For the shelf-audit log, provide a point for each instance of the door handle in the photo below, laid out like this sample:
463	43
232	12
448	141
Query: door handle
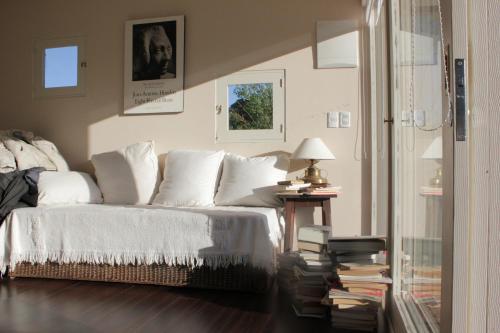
460	102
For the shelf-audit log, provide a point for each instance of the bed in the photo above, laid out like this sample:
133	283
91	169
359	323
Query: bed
229	248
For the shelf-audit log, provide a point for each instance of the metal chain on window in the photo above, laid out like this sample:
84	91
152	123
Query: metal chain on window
447	120
411	96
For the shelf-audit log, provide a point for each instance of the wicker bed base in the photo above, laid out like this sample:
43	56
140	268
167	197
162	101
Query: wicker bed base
239	277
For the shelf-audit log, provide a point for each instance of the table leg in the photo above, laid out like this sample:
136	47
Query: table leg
326	210
289	224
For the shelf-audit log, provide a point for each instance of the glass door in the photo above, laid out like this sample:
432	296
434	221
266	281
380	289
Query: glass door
421	109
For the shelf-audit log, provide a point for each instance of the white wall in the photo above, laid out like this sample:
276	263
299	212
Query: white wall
221	37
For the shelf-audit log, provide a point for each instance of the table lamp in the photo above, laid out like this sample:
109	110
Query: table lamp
435	152
314	150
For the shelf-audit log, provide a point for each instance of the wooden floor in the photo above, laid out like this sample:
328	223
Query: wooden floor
35	305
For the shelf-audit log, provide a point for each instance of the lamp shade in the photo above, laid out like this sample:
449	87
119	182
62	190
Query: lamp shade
435	150
312	149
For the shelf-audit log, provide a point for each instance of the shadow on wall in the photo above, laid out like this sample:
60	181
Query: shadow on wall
221	37
294	165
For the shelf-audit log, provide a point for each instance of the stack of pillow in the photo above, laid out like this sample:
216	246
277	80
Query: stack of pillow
191	179
21	150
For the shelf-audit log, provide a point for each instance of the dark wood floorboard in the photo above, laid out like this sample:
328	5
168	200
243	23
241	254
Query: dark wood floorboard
38	305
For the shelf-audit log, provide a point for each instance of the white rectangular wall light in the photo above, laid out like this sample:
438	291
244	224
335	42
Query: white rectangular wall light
337	44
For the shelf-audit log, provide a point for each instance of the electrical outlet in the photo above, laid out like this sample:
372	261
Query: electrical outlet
332	119
345	119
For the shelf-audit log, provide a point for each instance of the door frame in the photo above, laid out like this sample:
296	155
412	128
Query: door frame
449	194
476	291
460	249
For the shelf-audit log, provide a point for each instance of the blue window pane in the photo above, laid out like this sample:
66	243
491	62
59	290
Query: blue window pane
61	67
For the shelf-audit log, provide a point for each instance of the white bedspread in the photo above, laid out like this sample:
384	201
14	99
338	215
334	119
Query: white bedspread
113	234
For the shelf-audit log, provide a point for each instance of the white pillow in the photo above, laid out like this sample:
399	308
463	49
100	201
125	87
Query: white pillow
67	187
7	160
251	181
27	156
51	151
190	178
128	175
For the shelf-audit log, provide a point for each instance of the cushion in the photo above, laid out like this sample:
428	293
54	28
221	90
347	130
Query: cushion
51	151
7	160
190	178
27	156
67	187
251	181
128	175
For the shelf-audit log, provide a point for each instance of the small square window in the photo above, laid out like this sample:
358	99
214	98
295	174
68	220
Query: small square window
59	67
250	106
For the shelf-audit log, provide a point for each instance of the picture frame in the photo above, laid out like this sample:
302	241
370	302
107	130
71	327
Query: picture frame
154	66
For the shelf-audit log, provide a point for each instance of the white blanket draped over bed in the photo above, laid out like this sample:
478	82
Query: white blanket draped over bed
113	234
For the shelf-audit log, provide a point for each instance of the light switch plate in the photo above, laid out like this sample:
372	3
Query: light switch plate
406	118
345	119
332	120
410	118
419	118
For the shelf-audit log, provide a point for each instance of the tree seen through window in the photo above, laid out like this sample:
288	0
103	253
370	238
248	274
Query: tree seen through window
250	106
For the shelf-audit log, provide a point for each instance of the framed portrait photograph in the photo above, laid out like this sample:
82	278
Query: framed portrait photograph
154	65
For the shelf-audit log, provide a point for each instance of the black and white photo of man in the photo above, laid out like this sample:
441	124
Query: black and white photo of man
154	51
154	65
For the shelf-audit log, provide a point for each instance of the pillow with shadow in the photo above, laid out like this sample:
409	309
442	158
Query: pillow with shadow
251	181
129	175
67	187
190	178
51	151
27	156
7	160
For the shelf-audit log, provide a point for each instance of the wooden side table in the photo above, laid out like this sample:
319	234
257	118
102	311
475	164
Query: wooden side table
292	201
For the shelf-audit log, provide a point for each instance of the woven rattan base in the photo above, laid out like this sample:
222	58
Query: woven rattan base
239	277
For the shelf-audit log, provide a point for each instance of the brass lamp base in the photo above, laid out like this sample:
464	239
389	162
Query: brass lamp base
313	174
438	180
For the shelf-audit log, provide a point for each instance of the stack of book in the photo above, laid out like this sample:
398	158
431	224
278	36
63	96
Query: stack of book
323	190
358	296
302	273
431	191
292	186
287	281
424	283
313	239
313	268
